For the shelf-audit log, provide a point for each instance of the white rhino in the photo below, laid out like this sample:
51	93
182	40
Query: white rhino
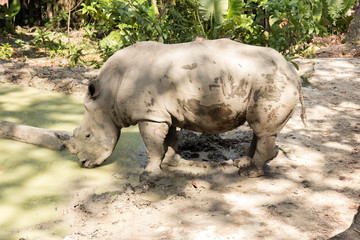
210	86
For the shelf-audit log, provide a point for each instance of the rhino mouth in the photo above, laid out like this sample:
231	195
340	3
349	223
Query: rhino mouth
84	163
88	163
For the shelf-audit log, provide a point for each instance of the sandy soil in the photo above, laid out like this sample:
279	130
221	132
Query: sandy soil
311	190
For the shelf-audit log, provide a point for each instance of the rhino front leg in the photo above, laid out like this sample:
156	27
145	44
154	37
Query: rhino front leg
153	134
263	149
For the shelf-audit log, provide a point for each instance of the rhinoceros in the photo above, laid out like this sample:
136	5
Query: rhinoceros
209	86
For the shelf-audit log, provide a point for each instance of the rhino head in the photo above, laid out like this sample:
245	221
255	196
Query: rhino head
96	137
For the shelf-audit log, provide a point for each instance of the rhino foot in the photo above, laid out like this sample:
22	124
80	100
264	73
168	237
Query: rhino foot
172	161
246	169
251	172
151	176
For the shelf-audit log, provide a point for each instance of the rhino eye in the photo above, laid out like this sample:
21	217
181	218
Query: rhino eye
88	135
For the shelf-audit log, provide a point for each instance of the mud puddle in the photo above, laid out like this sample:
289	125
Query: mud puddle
37	183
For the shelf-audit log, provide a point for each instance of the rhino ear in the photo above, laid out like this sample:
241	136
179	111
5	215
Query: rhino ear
93	90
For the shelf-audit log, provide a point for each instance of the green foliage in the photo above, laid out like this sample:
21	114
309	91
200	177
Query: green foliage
59	20
213	10
20	43
338	8
112	41
333	17
183	21
11	12
89	30
235	19
43	40
286	25
6	51
110	44
292	22
76	58
244	22
124	24
8	14
236	8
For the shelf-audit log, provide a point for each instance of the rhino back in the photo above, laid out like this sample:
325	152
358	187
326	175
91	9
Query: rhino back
203	86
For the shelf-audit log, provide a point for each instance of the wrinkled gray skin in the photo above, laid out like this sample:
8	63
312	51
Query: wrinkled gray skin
209	86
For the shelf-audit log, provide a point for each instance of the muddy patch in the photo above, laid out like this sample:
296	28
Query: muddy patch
213	147
58	79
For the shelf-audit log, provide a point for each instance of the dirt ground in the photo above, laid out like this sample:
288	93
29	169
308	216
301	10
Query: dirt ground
311	190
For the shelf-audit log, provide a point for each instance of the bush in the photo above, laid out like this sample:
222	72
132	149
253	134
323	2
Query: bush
123	24
6	51
292	23
286	25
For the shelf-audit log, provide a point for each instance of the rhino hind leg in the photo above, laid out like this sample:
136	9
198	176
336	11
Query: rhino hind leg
250	151
266	124
261	150
171	145
265	151
243	163
153	135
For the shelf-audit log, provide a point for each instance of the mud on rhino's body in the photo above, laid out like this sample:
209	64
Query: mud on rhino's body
210	86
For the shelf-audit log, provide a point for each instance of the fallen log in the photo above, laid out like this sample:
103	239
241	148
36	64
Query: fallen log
33	135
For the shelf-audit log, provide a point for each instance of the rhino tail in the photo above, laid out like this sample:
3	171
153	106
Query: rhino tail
301	98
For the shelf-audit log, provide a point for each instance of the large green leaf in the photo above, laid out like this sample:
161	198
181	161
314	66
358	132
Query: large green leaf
274	23
317	10
112	41
334	7
9	13
213	9
235	8
338	8
347	4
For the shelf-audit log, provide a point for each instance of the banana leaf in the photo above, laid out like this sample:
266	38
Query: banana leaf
9	13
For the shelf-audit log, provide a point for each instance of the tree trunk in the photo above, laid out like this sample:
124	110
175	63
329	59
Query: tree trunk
49	11
37	136
353	34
